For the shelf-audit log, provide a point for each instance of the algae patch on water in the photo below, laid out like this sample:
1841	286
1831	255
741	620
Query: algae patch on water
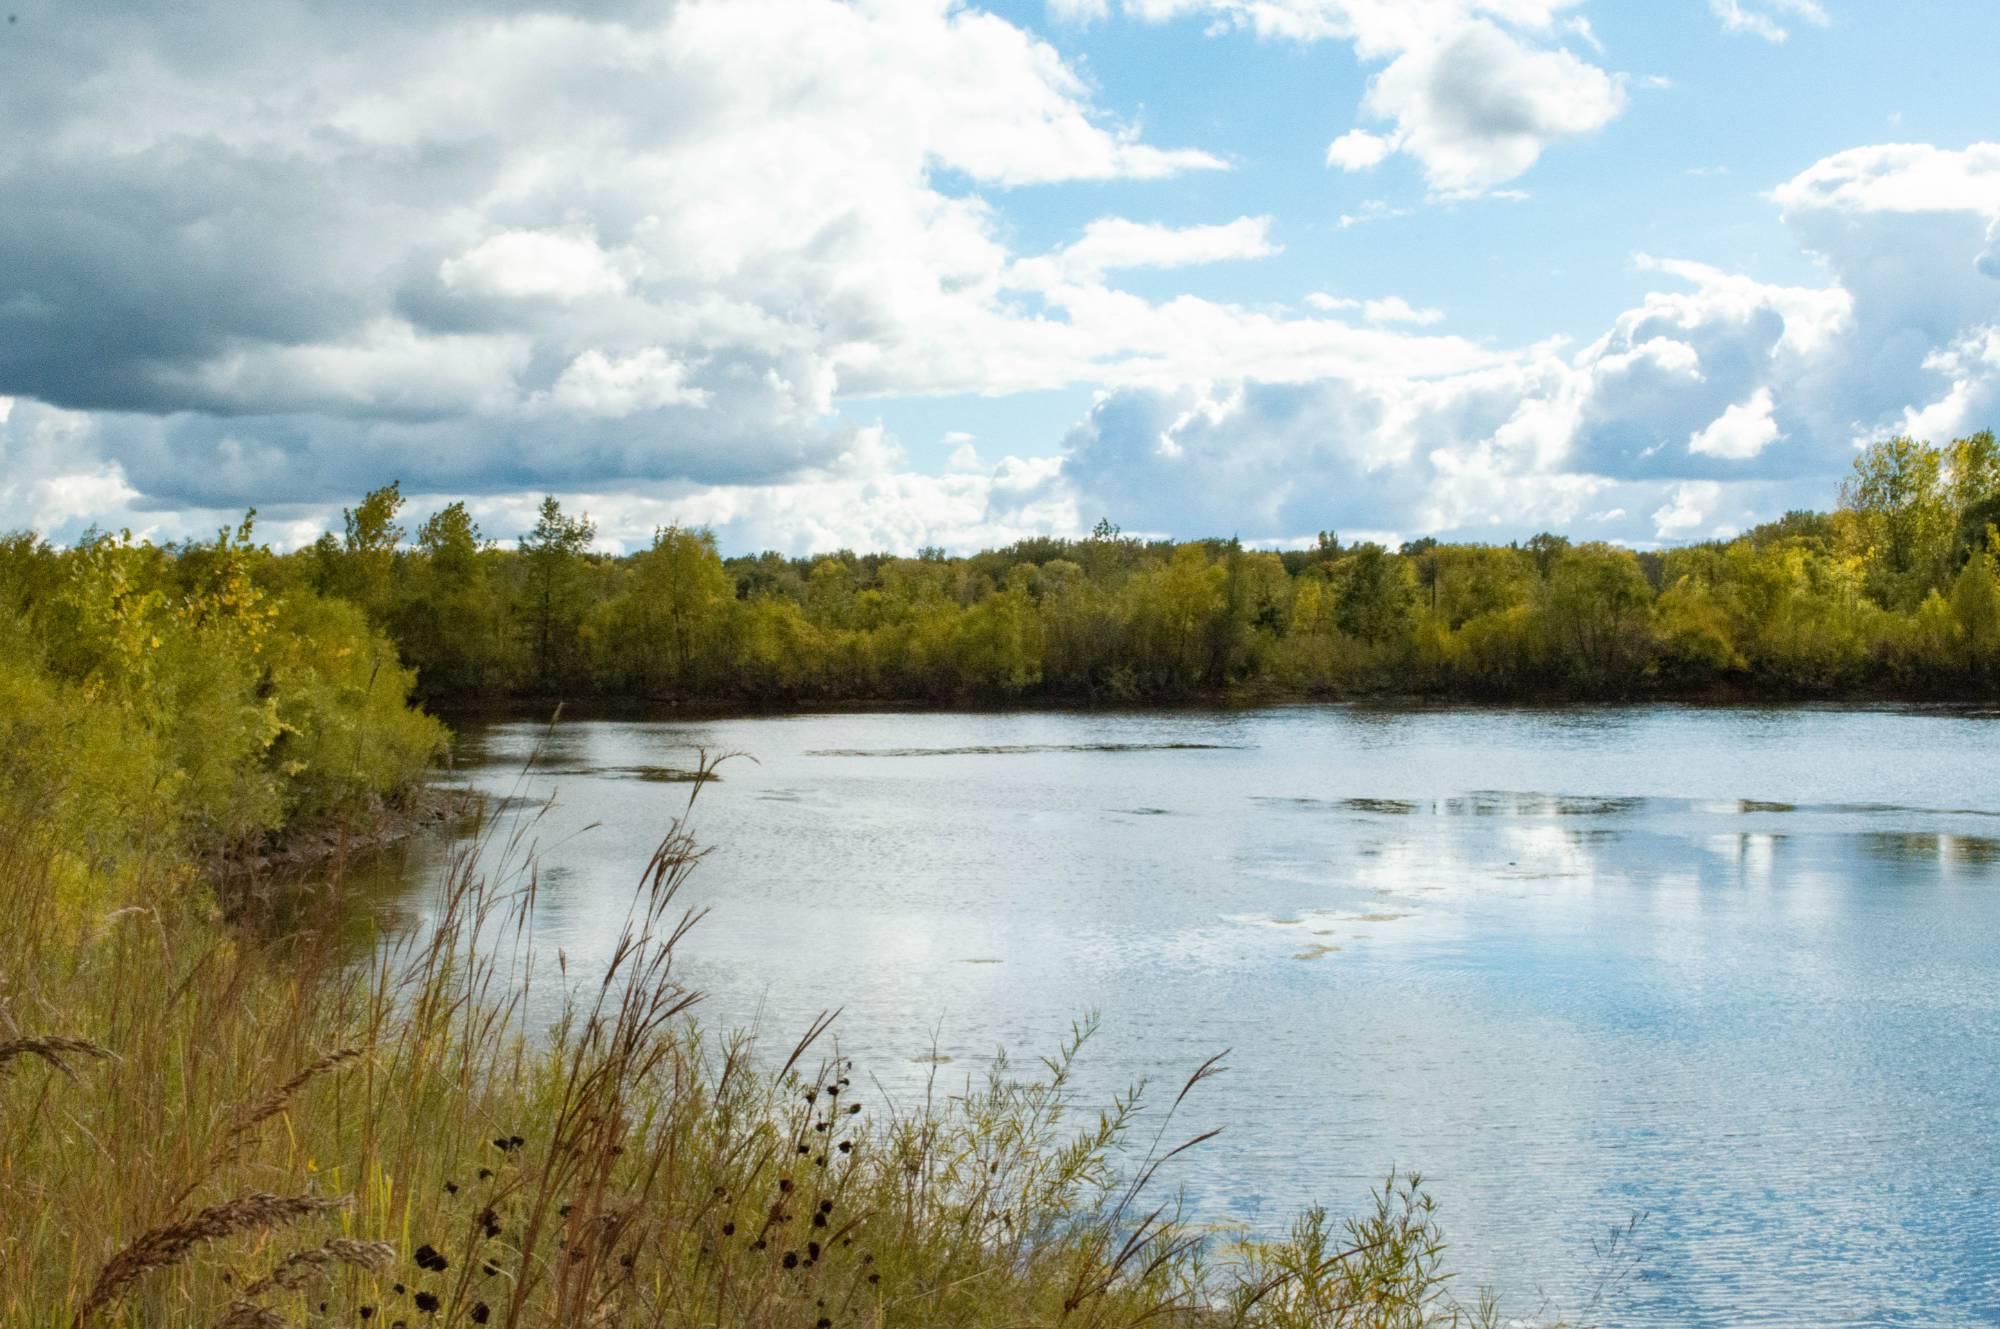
669	775
650	774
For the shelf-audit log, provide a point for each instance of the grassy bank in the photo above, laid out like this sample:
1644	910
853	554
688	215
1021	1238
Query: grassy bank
205	1125
214	1114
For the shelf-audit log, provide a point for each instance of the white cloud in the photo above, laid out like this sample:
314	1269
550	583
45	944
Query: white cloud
653	243
1810	316
1899	177
863	501
531	264
1358	150
1686	508
1372	210
1760	18
1113	243
1388	309
612	385
52	479
1478	105
1395	309
1217	417
1716	396
1741	432
1220	417
1476	89
1971	401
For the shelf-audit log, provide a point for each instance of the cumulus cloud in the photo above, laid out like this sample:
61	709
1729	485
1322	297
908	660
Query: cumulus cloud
531	264
1898	177
289	252
1740	432
1687	506
606	385
1714	397
1474	90
1358	150
1478	105
51	479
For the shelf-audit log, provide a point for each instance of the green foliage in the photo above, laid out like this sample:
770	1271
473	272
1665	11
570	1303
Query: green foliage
1975	608
449	620
169	701
1811	604
1595	607
1374	594
1381	1270
667	631
1903	519
553	554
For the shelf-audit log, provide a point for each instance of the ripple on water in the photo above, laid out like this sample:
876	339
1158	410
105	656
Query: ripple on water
1735	969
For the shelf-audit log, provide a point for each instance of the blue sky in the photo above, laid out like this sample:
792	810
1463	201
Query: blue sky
906	272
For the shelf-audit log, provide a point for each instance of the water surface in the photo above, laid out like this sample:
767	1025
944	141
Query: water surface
1735	969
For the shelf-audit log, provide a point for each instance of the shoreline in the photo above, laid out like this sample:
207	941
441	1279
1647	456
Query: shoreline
295	850
550	707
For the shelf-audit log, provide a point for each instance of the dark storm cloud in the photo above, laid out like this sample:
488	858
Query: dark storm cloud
219	229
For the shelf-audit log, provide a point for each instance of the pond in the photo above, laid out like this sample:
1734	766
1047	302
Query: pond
1733	969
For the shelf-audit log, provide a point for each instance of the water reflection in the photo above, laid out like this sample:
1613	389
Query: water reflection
1572	964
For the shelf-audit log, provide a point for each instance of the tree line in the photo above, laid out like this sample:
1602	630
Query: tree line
1894	592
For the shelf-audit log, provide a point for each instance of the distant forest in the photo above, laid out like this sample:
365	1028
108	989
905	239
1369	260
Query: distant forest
1894	593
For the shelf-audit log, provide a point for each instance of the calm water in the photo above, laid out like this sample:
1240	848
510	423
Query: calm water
1735	969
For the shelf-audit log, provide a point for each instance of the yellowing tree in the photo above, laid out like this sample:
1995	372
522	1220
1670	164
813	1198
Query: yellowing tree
1904	518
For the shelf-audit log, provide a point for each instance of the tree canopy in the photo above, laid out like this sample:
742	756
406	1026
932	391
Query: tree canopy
1892	593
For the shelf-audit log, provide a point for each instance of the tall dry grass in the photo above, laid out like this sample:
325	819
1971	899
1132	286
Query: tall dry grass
202	1123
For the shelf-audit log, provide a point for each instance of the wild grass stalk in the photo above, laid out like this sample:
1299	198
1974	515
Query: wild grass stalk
437	1160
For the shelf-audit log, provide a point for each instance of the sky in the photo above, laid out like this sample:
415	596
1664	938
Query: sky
897	273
